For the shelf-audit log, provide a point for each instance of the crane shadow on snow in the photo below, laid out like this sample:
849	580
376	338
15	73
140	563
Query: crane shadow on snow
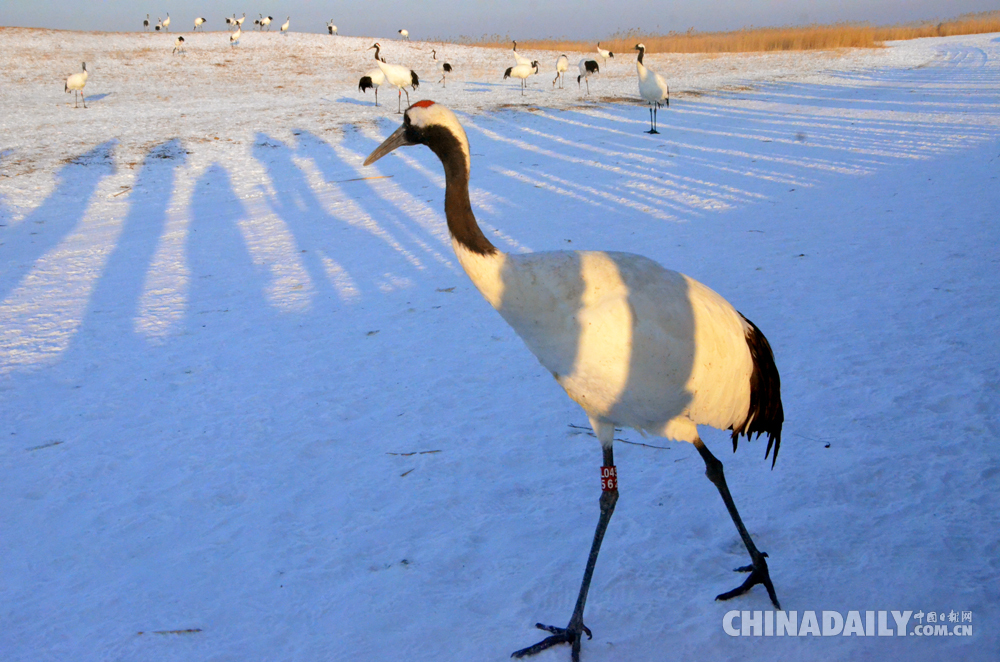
120	288
370	193
328	230
97	98
46	226
353	102
224	278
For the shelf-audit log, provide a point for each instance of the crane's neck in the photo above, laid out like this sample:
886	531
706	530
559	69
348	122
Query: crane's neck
642	51
377	49
479	258
453	150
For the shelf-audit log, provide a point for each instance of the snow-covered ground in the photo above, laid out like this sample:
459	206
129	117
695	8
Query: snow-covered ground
252	409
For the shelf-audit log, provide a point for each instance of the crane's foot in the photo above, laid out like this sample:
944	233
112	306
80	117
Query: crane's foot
758	575
652	131
567	635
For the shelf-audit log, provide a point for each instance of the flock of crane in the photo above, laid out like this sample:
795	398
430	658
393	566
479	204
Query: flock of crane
261	22
652	87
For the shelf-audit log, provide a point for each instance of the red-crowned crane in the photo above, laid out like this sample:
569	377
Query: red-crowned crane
75	82
586	68
443	67
397	75
178	45
200	23
562	66
145	23
404	34
631	342
521	71
652	88
603	53
372	79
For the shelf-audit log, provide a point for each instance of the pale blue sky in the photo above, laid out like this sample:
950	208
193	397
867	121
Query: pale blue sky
524	19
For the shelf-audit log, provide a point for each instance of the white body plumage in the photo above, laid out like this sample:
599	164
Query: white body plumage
652	87
631	342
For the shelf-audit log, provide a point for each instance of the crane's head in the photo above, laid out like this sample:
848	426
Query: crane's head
640	47
431	124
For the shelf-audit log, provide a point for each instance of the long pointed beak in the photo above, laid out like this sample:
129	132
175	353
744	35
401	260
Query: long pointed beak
397	139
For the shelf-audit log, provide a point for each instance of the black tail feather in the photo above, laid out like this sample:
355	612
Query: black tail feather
765	414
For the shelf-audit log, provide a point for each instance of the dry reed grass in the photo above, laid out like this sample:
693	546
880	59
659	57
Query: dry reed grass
750	40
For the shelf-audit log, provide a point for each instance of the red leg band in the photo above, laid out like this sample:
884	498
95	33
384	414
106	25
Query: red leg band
609	478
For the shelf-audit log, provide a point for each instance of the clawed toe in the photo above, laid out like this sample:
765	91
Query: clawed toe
565	635
758	575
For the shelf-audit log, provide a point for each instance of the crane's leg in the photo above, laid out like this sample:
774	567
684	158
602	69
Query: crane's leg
573	632
758	567
399	105
83	98
588	87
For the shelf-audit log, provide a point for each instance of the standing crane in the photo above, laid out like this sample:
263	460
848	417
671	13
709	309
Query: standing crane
603	53
397	75
562	66
521	71
75	83
586	68
652	88
443	67
634	344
